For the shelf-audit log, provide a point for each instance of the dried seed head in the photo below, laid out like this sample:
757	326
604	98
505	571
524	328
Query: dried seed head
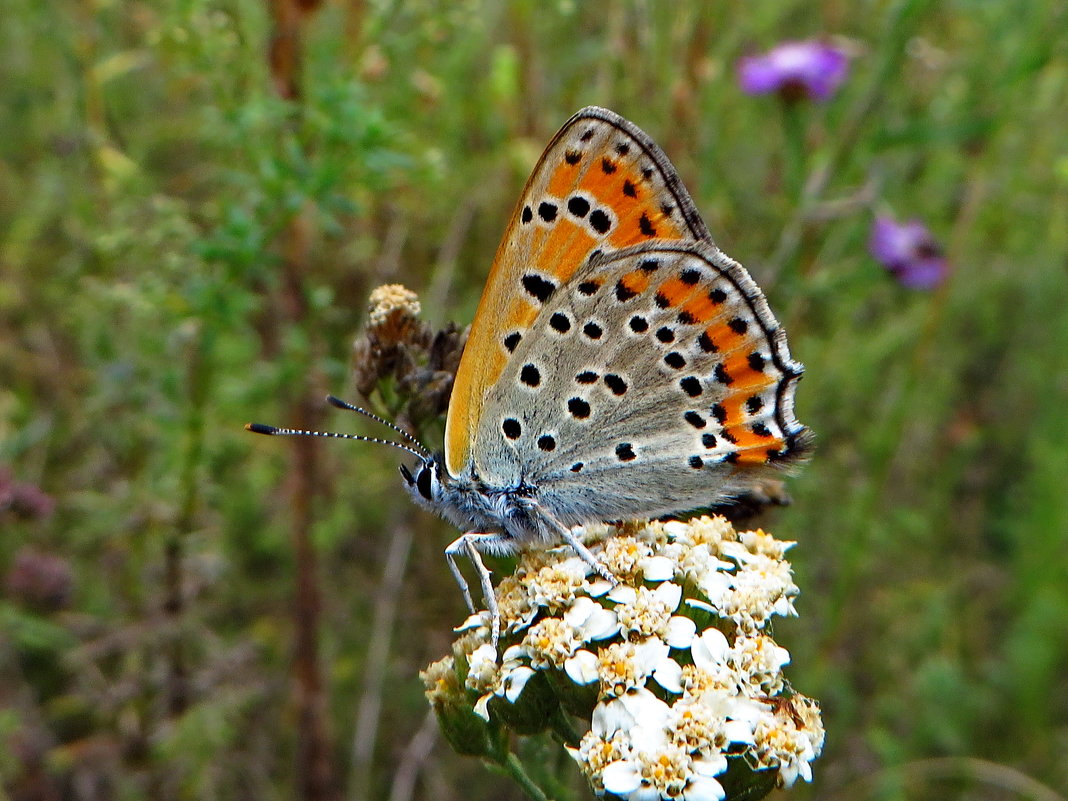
393	312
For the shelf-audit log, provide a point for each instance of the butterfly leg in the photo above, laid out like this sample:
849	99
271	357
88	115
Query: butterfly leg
578	547
467	544
451	552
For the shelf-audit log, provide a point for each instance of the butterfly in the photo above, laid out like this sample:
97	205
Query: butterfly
619	365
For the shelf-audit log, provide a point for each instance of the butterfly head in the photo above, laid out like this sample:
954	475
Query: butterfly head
465	501
424	480
470	504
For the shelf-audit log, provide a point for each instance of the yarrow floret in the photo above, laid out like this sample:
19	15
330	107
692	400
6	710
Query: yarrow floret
674	666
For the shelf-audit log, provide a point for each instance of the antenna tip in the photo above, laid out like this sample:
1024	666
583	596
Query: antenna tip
337	402
260	428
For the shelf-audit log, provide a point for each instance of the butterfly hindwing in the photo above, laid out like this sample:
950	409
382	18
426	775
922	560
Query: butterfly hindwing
601	184
656	380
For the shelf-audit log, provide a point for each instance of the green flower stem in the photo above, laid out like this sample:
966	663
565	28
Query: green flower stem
794	129
794	182
564	729
515	769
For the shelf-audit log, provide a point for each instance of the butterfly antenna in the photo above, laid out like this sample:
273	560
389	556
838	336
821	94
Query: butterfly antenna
274	431
340	404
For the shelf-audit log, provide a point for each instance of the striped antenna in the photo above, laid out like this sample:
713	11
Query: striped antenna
340	404
274	431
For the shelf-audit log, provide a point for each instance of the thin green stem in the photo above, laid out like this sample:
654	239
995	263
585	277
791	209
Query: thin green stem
563	728
515	769
794	168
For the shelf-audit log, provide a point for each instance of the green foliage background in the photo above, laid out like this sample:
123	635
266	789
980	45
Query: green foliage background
149	173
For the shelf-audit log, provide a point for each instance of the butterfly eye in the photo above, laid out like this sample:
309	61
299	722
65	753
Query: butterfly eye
424	480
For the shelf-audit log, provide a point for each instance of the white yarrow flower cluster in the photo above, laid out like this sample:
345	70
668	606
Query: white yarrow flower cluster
674	665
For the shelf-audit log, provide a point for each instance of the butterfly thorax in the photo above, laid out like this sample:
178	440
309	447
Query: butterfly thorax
470	504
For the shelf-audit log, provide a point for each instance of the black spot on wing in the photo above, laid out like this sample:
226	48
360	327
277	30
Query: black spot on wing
578	206
600	221
537	287
615	383
579	408
530	375
560	323
588	288
638	324
547	211
691	386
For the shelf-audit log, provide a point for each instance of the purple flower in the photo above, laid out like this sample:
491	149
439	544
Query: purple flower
795	70
23	498
40	580
909	251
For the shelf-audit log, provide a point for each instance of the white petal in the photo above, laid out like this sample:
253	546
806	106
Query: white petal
598	587
748	710
610	717
784	607
621	777
658	568
670	594
575	565
514	652
715	584
602	624
582	667
710	764
787	774
668	674
482	654
472	622
521	622
709	649
482	706
579	611
649	653
515	681
703	788
590	620
739	731
782	656
675	528
649	716
700	605
739	553
622	594
680	632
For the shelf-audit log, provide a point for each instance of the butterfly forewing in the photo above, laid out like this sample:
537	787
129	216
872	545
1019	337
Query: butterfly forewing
656	380
601	185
